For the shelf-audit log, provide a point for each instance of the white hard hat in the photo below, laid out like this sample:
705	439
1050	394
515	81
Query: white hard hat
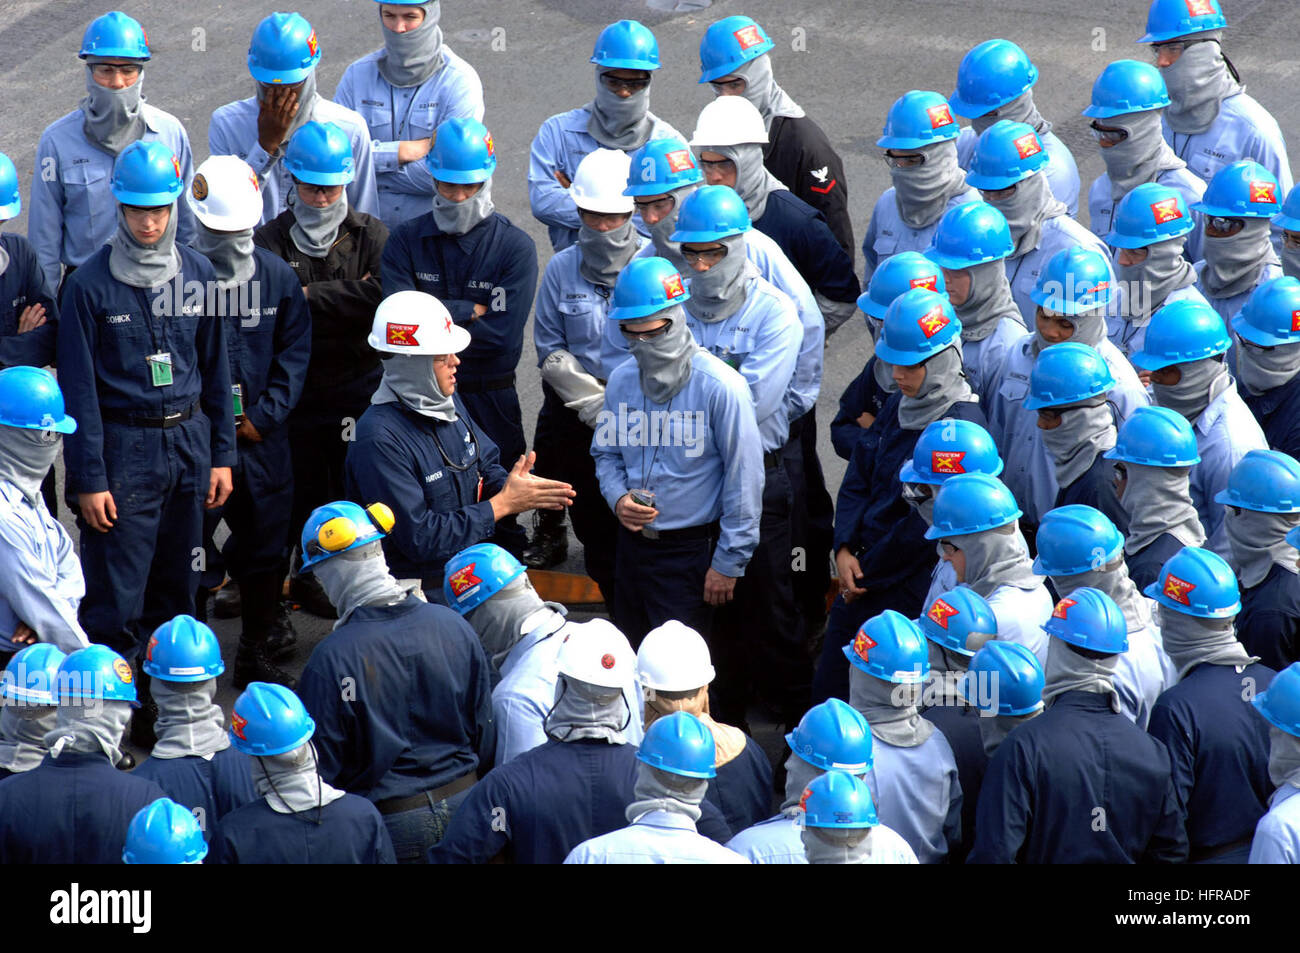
729	121
599	182
412	322
597	653
225	195
674	657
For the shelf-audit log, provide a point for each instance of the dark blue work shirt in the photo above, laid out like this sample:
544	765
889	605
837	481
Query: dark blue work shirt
21	285
1278	413
1144	566
742	791
1096	488
862	396
960	724
350	832
216	786
1269	622
809	243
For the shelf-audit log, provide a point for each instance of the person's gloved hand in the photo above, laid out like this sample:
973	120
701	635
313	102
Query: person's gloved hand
587	408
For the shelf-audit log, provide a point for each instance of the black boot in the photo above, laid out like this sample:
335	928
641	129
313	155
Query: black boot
550	543
307	592
282	644
225	603
260	598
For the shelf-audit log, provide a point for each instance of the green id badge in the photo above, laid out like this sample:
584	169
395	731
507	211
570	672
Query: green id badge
160	368
237	393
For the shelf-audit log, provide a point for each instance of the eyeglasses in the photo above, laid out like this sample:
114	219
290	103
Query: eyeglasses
1229	226
308	189
109	70
998	195
948	548
1252	346
660	206
1174	48
597	219
717	163
649	335
1121	471
709	256
728	87
617	84
444	359
1053	414
1105	134
911	161
1291	239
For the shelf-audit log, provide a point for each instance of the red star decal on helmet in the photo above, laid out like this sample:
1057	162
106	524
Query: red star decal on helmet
1062	609
237	725
1027	145
1200	8
679	160
862	644
1166	210
491	144
1263	192
925	281
148	653
401	335
1177	589
1295	320
939	116
607	661
673	286
463	580
933	322
748	36
312	44
941	612
947	461
803	799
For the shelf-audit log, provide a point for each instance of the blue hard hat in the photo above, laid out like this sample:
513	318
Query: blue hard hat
949	447
1280	702
97	672
680	744
645	287
896	275
1013	675
146	174
1127	86
917	119
1076	538
709	214
728	45
1244	189
1289	217
1197	582
990	76
337	527
476	574
11	197
1267	481
918	325
1150	213
970	234
284	49
1076	280
320	153
1271	315
1006	153
463	152
183	650
833	736
661	166
269	719
1089	619
1064	374
956	615
626	44
972	503
164	832
30	398
1169	19
838	799
1182	331
890	647
115	35
1156	437
32	675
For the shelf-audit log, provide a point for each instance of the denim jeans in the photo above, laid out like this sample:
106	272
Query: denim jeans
414	832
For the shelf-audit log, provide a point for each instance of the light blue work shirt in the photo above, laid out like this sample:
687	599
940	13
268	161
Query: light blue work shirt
1228	307
1021	614
72	211
1101	207
233	131
397	113
1128	337
982	360
40	575
918	795
1277	835
1225	432
777	840
560	144
1059	232
1062	170
703	460
1243	130
1140	673
887	234
656	837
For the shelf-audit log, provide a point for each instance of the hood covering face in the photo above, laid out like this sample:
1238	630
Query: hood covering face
657	790
1020	109
1197	81
190	722
660	231
139	265
721	291
358	577
994	730
1233	264
586	711
922	192
1112	579
1069	671
26	457
1031	204
95	728
1085	431
231	254
605	254
753	181
409	380
1158	501
457	218
997	557
618	123
761	90
1261	369
22	735
798	775
1258	543
920	497
1283	758
665	362
1201	382
891	710
989	301
1141	157
1089	329
1290	262
411	58
306	104
1160	274
945	384
882	371
315	230
113	118
728	742
290	782
500	621
1190	641
835	845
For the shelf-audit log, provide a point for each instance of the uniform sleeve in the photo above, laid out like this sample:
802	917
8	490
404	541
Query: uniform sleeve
214	365
288	369
347	301
481	713
514	291
186	225
735	431
519	726
611	469
856	492
549	200
78	337
1166	728
826	191
826	266
473	836
845	428
398	263
362	192
34	348
870	260
1002	817
1168	844
1274	842
769	368
45	213
336	722
33	594
548	323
